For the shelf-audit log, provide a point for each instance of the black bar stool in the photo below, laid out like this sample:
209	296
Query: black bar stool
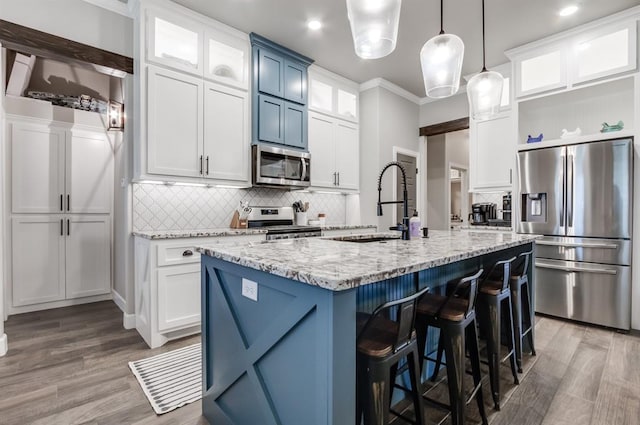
523	320
494	294
381	343
455	316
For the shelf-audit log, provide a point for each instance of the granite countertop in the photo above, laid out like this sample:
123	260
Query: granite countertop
338	265
176	234
348	226
480	227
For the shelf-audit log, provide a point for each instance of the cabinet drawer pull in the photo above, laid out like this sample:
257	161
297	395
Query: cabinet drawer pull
187	253
68	227
61	203
68	202
61	226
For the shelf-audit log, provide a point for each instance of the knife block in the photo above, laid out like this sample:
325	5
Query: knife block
237	223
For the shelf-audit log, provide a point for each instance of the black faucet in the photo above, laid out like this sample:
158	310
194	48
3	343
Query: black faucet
404	226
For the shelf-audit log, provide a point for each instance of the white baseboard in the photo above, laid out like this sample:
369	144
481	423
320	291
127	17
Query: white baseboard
4	346
129	321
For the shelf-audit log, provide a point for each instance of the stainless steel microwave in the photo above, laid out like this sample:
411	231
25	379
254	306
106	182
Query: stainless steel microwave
278	167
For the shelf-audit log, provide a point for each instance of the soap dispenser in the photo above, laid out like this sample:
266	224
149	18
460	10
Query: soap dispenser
414	226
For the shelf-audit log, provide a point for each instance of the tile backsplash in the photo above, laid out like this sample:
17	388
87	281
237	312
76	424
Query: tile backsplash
176	207
492	197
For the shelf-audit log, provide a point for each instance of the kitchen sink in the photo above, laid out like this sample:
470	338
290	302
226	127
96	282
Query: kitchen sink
366	238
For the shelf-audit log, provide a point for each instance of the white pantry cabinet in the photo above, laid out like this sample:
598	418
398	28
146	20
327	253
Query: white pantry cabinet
55	170
60	257
335	148
491	154
167	285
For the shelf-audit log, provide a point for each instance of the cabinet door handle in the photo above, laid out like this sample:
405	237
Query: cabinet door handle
207	165
338	178
61	227
68	227
200	164
68	202
187	253
510	175
335	179
61	203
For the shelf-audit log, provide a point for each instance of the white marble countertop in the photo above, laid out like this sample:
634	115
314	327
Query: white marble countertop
348	226
338	265
480	227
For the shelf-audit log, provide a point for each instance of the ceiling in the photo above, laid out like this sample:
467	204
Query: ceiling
509	23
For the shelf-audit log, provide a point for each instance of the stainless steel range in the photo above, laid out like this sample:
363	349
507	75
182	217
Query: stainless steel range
279	223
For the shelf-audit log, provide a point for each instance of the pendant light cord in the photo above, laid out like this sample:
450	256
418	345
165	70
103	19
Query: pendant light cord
484	53
441	17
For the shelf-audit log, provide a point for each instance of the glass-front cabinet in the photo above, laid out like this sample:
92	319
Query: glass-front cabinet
331	94
174	41
609	51
541	71
226	59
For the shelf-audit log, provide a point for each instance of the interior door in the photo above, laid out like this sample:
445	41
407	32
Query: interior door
542	174
409	164
599	192
89	173
88	255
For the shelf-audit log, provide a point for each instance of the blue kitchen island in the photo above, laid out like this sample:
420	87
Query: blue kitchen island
279	317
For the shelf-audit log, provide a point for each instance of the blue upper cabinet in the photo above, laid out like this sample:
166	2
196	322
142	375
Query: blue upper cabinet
271	70
279	90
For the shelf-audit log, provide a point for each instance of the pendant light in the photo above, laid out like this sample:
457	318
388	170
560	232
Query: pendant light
374	26
441	60
485	88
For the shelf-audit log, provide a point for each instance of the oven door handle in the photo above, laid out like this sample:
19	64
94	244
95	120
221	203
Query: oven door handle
304	169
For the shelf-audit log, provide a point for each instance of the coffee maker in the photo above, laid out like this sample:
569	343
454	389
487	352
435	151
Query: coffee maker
481	213
506	208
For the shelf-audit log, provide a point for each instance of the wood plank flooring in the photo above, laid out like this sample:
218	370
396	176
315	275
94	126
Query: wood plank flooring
69	366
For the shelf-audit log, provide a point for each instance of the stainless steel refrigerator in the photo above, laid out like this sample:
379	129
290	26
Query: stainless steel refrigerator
580	197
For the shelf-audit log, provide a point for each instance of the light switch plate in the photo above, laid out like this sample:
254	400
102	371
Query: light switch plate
250	289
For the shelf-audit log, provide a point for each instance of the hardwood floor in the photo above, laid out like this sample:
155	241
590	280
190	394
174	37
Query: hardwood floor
69	366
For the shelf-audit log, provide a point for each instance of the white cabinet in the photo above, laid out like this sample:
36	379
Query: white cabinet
193	83
58	257
594	51
174	40
332	94
491	154
226	133
174	123
605	52
167	285
334	147
178	296
37	168
55	170
541	71
37	252
87	255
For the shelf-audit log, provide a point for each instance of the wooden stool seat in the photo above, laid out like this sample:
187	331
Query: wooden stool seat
491	287
454	311
380	336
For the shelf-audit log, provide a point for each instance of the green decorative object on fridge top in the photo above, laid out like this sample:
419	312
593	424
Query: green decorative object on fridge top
606	128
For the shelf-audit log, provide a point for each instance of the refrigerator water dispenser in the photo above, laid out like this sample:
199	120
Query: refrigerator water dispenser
534	207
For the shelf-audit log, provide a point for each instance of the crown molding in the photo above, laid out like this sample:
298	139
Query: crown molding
388	85
113	6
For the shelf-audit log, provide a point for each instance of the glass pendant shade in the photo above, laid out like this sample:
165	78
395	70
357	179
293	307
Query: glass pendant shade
441	60
374	26
484	91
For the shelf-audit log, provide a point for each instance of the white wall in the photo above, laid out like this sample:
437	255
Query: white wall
458	147
386	120
76	20
443	110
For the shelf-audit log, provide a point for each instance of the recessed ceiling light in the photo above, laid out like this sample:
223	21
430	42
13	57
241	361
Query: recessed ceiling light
569	10
314	25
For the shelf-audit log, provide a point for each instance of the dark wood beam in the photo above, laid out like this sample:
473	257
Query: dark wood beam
445	127
42	44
